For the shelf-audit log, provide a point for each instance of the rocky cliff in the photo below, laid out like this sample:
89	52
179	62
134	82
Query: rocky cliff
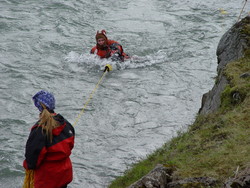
234	44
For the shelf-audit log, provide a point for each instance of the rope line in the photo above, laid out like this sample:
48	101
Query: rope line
90	97
242	10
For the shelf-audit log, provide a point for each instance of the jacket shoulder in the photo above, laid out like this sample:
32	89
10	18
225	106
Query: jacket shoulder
92	51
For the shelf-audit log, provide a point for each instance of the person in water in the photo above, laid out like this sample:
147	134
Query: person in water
49	145
106	48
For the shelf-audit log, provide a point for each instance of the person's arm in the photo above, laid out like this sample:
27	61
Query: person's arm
93	50
35	149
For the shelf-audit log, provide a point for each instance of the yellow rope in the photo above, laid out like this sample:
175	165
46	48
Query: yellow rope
242	10
28	179
90	97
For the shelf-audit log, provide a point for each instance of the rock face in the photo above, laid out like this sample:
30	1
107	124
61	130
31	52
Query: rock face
231	47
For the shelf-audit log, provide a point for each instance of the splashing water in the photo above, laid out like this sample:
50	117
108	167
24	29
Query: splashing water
91	61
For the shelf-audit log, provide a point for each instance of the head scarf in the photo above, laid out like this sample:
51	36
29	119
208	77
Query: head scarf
46	98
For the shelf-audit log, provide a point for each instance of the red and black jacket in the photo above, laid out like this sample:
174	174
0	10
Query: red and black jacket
111	48
50	161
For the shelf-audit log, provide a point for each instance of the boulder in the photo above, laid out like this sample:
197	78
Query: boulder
231	47
157	178
242	180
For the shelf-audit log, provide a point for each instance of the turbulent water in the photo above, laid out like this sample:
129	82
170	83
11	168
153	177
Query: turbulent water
138	106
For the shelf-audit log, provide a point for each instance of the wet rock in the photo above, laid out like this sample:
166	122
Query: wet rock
157	178
231	47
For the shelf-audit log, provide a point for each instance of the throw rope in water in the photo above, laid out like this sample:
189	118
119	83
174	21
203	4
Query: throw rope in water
108	68
242	10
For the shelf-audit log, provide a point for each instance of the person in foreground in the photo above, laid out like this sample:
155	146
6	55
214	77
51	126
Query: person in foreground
106	48
49	145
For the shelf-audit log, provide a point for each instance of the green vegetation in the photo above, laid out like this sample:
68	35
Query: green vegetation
215	145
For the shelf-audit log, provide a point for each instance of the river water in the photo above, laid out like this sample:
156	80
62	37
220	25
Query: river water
138	106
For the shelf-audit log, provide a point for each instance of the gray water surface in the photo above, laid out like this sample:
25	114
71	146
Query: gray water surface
138	106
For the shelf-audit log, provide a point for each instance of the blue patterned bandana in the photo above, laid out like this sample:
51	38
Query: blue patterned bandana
46	98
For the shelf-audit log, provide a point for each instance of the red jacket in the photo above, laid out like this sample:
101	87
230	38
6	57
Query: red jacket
50	161
111	48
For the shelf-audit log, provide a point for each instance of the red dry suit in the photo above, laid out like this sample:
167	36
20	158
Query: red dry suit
112	49
50	161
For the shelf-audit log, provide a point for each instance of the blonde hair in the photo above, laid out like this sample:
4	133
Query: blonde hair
47	122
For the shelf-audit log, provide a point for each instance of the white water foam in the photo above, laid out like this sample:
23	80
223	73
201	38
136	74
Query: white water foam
91	61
